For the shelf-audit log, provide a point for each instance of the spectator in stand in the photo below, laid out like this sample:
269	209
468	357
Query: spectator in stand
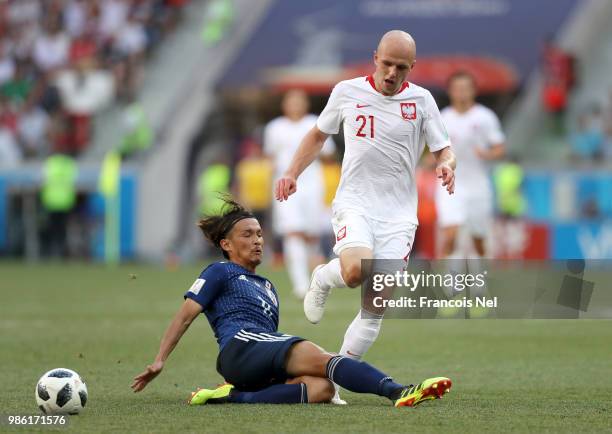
77	14
29	121
7	63
62	60
607	127
113	15
8	115
33	131
52	47
19	89
84	90
173	12
129	47
24	12
3	18
559	79
588	138
10	154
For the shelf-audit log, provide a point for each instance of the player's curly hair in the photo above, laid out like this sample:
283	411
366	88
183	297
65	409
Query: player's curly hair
216	227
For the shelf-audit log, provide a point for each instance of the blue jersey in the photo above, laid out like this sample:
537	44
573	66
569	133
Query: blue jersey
233	298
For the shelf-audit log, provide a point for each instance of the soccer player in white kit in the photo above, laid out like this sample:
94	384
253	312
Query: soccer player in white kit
477	138
297	221
387	123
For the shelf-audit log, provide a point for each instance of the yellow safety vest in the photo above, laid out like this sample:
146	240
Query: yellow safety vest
59	183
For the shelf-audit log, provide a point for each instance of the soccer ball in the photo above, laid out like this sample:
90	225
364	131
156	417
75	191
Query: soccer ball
61	391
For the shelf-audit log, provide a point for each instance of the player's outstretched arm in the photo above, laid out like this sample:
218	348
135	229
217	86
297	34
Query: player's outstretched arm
179	325
445	168
306	153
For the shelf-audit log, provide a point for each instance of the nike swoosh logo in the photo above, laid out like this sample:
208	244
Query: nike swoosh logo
363	105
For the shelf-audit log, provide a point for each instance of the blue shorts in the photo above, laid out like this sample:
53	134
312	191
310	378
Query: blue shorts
253	360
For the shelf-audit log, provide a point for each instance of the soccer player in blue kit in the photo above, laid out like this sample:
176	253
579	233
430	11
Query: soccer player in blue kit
259	363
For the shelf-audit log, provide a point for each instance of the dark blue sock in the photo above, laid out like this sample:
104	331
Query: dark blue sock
361	377
277	394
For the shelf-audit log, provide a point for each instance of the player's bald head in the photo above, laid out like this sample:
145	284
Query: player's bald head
394	59
398	43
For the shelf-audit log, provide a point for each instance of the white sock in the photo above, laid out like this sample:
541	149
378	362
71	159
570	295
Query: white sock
296	258
358	338
329	276
360	335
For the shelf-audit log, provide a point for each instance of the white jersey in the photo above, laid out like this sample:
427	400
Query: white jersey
282	137
480	128
384	139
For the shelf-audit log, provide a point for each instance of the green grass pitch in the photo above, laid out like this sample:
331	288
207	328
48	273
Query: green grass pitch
509	375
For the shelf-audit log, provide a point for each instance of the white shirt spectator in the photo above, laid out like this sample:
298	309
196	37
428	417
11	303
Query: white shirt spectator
51	51
75	18
113	15
7	69
33	126
24	11
10	154
131	39
87	94
23	39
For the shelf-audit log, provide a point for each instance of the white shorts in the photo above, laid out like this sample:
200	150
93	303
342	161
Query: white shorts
474	211
301	213
387	240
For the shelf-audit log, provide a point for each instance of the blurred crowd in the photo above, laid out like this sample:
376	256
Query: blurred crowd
589	133
62	61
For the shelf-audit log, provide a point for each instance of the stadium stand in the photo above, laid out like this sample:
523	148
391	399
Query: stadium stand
63	62
588	36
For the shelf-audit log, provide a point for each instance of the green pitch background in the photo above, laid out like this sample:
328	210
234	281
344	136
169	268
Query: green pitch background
509	375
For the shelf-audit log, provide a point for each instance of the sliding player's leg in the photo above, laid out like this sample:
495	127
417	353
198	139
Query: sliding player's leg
302	361
306	358
300	390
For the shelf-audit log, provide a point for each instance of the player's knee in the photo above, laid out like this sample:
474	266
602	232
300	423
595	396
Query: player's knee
319	364
351	273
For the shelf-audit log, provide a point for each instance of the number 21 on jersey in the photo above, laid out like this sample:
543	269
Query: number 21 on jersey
363	122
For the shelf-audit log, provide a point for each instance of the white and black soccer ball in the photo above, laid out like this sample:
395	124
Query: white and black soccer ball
61	391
